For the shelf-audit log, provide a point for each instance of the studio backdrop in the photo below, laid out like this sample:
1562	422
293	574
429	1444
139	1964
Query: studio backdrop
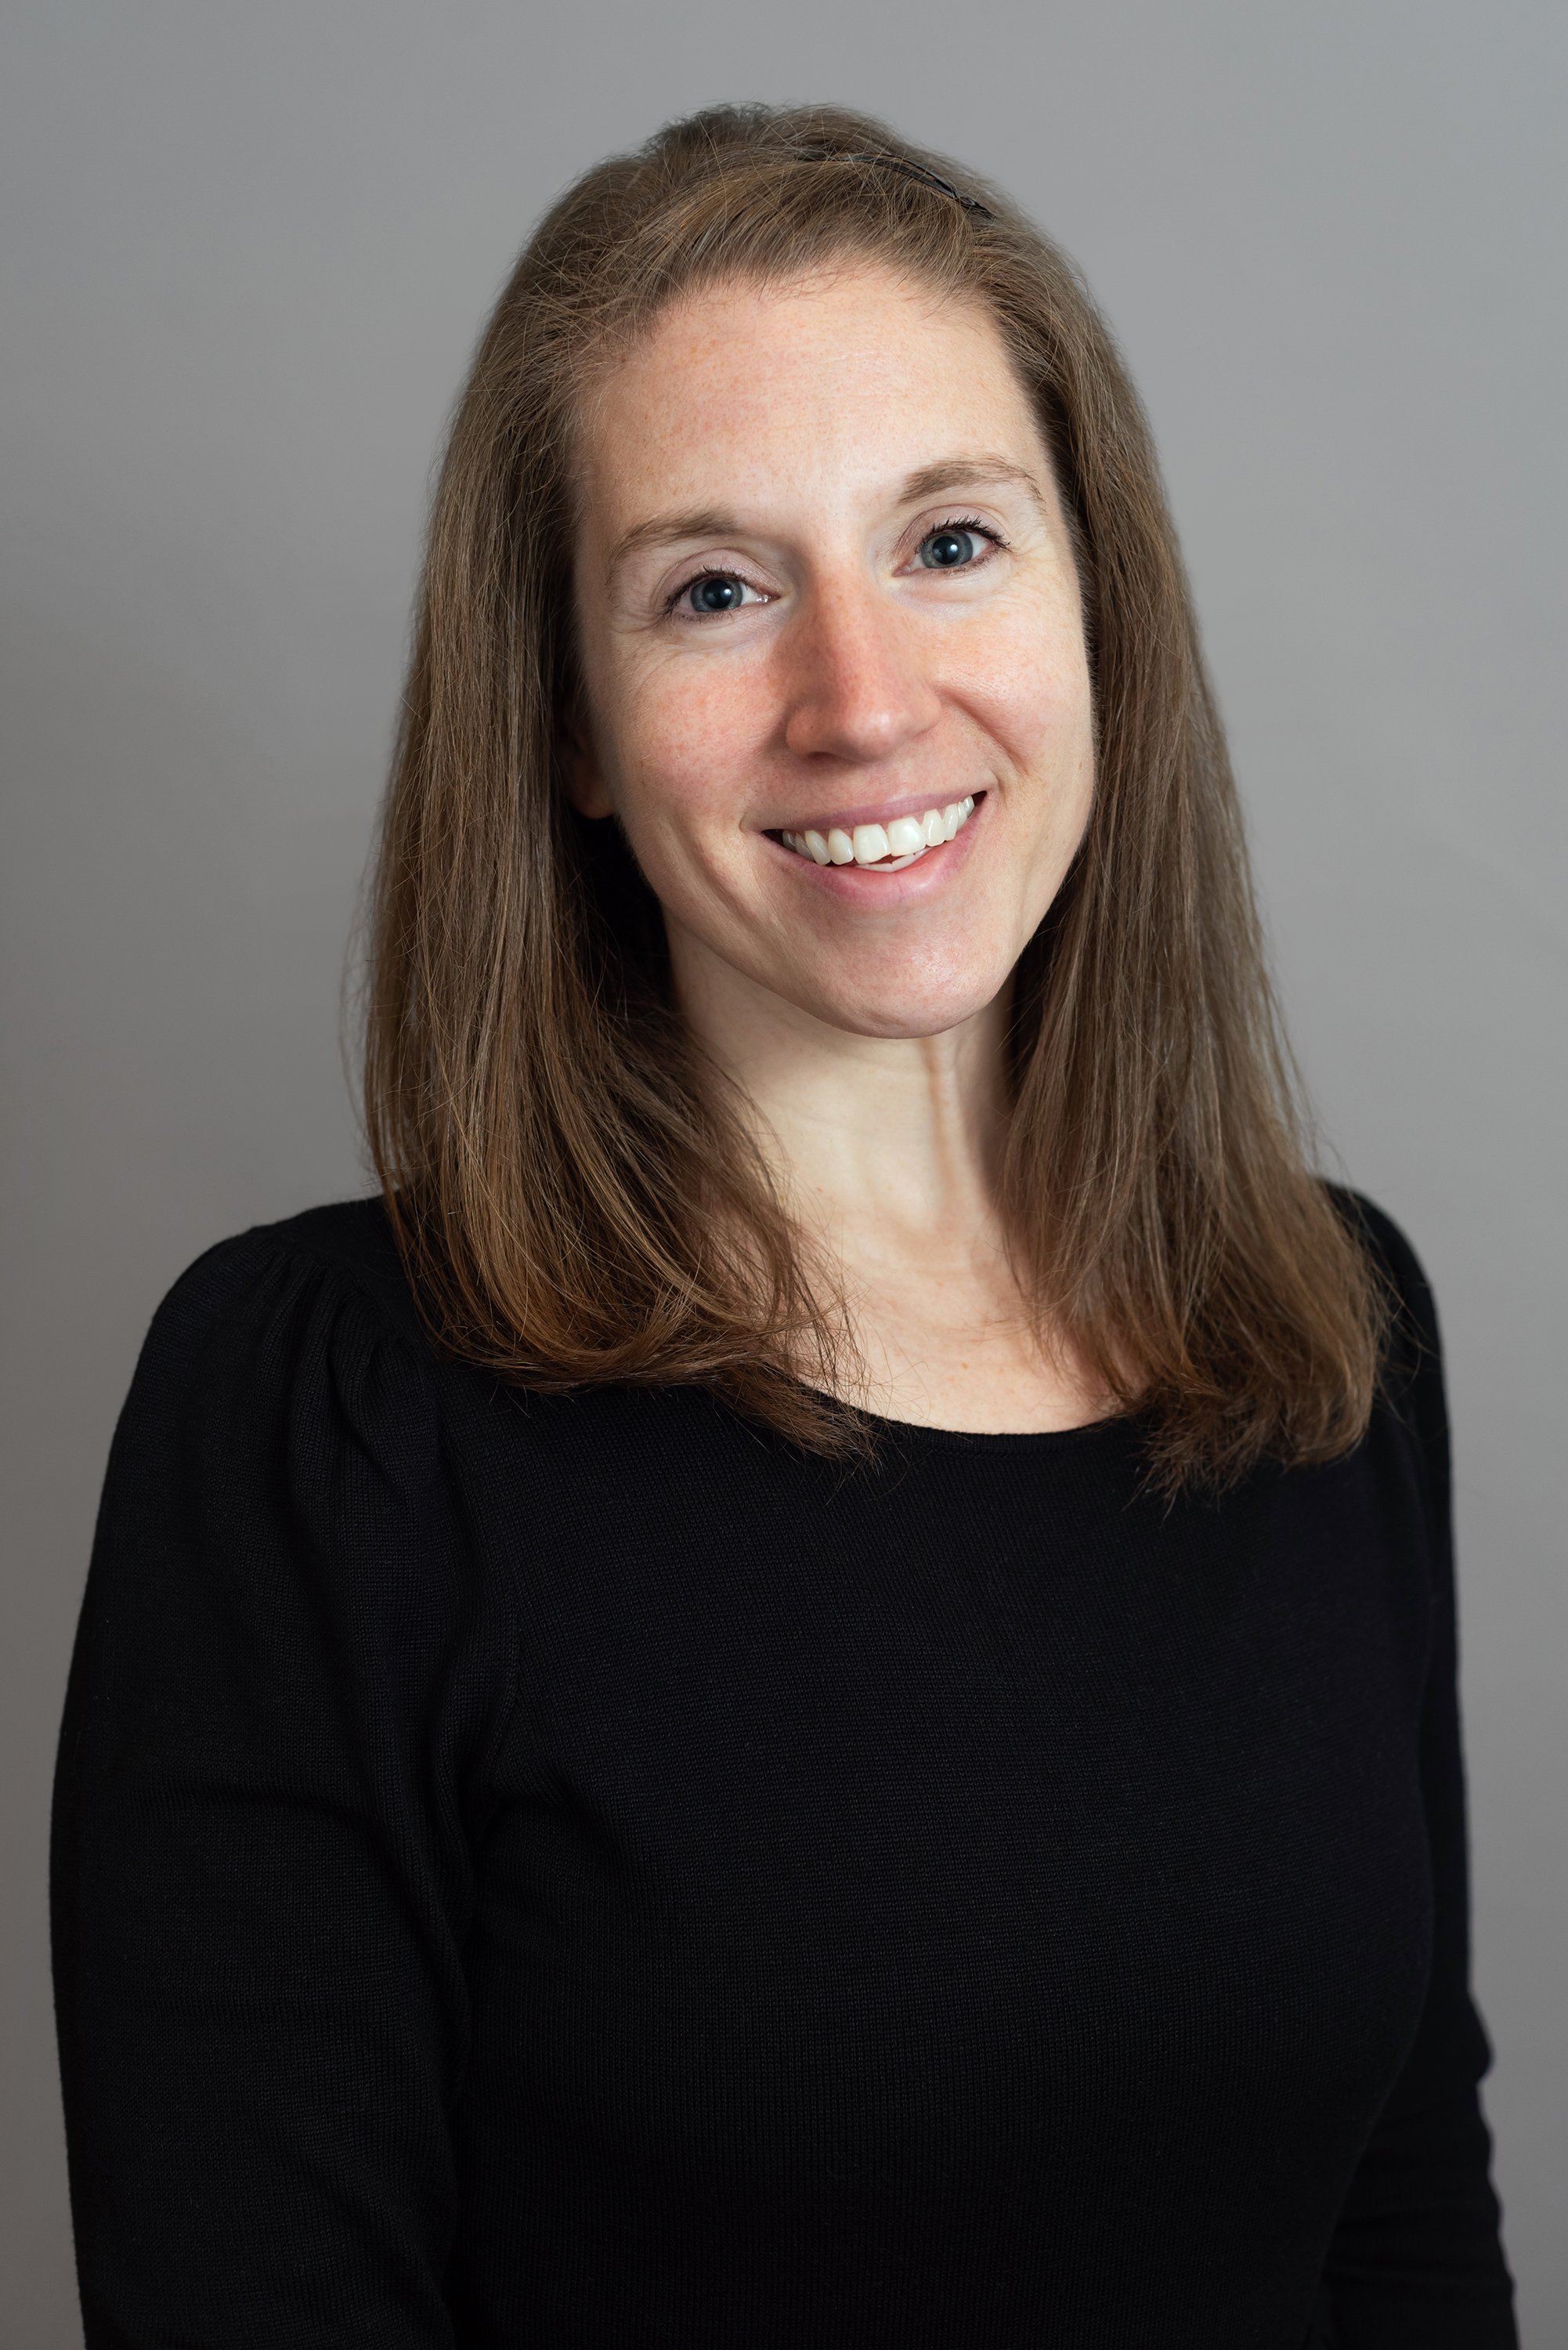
245	254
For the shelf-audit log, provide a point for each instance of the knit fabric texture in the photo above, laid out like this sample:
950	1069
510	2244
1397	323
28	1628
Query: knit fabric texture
575	1874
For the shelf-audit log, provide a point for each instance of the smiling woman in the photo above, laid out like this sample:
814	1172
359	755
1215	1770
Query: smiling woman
881	656
739	391
802	1691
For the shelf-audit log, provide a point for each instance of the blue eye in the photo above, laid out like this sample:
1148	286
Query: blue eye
947	548
719	592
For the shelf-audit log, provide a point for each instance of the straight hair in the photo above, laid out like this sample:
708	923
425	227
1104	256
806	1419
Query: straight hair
571	1185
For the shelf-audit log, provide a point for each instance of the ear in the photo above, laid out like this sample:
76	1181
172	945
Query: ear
581	770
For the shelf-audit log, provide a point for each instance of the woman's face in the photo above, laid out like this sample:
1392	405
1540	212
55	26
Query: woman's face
835	682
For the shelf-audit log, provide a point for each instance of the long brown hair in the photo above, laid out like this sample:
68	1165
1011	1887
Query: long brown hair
576	1200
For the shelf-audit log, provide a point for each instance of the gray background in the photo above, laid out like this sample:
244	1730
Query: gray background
246	253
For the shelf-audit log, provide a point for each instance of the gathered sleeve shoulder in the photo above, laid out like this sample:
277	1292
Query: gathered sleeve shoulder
1417	2260
288	1677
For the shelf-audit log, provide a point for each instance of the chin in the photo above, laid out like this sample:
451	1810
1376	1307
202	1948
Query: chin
903	1012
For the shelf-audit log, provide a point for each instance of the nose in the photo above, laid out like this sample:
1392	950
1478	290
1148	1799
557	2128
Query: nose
858	688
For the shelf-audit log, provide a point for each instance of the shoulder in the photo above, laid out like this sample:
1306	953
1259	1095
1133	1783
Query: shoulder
284	1535
346	1247
1414	1342
327	1279
1412	1395
294	1340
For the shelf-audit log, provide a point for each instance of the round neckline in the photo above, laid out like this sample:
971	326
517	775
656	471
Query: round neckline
976	1440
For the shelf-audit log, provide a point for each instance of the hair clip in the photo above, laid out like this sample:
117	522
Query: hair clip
910	171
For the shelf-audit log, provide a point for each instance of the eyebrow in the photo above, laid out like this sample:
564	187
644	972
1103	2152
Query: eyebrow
972	473
949	474
665	529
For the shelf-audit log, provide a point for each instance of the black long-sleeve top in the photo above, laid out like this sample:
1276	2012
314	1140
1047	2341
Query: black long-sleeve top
533	1874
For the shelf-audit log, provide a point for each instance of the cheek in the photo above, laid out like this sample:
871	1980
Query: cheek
1031	684
687	743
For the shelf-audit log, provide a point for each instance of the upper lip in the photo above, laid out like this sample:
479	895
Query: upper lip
845	819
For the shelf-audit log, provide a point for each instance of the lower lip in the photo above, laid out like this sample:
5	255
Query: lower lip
862	885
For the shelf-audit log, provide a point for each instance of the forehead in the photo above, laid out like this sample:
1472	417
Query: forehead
826	385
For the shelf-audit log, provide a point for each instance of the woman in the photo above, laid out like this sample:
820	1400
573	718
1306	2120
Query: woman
803	1692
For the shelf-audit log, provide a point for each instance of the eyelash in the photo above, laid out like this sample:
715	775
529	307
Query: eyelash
964	521
950	522
696	580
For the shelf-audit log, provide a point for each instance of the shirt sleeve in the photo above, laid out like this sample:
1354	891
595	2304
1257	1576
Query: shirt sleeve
272	1751
1417	2260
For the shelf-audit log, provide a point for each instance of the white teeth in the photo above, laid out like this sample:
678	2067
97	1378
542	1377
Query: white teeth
889	847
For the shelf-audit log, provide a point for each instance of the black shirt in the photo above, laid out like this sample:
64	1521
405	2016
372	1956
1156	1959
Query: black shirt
535	1873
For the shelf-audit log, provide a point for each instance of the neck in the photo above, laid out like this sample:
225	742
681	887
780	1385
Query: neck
885	1148
885	1151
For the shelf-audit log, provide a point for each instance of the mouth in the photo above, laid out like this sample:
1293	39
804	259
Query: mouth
885	848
